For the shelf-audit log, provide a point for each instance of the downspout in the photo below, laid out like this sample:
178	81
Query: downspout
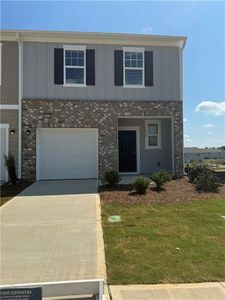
20	71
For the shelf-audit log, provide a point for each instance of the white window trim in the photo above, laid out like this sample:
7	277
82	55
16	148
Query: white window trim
9	106
134	49
73	47
0	64
158	122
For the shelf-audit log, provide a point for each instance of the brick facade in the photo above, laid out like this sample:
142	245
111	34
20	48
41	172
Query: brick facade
97	114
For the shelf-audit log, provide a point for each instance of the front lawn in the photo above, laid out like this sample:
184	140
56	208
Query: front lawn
9	191
165	243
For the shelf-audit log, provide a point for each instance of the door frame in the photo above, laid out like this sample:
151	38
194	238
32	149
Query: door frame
137	129
6	127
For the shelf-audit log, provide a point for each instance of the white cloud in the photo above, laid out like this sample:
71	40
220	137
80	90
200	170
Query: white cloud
210	132
147	29
208	125
187	139
185	120
210	107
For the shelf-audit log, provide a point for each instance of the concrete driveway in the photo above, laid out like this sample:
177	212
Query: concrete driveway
52	232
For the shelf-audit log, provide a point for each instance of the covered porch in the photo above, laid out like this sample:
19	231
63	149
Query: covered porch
145	145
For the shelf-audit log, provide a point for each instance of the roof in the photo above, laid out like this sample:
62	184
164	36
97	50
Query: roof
92	38
192	150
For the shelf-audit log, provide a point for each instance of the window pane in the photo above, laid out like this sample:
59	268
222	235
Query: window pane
153	129
139	63
80	62
74	62
68	62
133	77
75	75
127	55
133	55
153	141
127	63
140	55
134	63
74	54
80	54
68	53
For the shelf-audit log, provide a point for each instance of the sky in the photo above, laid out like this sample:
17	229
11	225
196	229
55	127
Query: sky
203	22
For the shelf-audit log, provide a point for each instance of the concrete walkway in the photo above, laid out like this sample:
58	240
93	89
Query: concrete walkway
52	232
196	291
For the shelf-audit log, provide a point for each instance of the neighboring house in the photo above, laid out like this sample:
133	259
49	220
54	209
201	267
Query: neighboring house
90	102
198	154
9	100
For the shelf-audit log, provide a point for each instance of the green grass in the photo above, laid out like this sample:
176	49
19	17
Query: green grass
142	248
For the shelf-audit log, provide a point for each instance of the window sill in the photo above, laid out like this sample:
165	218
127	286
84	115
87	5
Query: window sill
134	86
74	85
153	147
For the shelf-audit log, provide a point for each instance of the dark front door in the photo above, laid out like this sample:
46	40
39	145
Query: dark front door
127	151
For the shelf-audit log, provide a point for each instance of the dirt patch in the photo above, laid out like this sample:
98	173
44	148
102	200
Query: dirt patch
9	191
174	191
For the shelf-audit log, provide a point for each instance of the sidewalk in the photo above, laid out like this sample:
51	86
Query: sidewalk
195	291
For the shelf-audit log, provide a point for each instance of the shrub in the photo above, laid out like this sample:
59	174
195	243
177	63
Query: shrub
140	184
160	178
112	177
11	167
208	182
195	171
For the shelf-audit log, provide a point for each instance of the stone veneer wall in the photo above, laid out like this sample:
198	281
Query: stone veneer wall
97	114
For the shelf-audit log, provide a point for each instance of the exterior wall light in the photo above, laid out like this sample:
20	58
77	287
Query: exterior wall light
28	132
12	131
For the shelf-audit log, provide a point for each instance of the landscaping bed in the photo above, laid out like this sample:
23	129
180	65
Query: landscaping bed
173	191
9	191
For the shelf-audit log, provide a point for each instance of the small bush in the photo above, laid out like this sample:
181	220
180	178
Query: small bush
207	182
140	184
160	178
112	177
11	167
195	171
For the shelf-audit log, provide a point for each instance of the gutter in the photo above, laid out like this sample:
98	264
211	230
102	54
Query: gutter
20	95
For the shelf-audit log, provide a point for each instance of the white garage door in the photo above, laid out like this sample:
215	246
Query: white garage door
3	150
67	153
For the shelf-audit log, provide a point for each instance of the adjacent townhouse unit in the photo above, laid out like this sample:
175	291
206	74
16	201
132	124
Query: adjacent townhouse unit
9	103
83	103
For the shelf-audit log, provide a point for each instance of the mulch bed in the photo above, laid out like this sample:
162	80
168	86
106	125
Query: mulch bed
9	191
174	191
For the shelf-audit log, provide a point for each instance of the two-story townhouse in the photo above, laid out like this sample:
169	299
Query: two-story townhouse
9	103
91	102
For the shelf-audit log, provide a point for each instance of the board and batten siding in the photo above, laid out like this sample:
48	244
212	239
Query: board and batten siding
9	88
38	59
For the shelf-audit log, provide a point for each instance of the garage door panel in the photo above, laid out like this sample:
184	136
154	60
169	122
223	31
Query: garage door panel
67	153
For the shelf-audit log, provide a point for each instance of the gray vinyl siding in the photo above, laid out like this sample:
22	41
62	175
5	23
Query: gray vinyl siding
39	75
150	159
9	85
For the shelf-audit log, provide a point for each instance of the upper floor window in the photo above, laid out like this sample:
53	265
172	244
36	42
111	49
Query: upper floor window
74	66
133	67
153	134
